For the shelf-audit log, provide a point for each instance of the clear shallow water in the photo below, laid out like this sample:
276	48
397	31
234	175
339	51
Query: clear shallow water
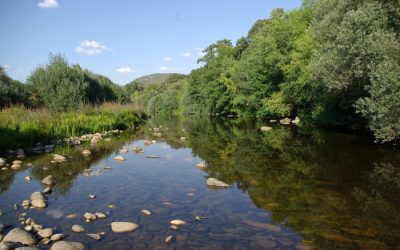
290	188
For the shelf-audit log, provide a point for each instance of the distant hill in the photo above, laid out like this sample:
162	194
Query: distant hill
159	78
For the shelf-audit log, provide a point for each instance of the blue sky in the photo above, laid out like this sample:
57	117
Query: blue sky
122	39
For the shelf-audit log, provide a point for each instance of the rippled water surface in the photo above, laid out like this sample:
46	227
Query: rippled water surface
292	188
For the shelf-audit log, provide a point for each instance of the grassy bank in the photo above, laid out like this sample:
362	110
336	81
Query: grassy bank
21	127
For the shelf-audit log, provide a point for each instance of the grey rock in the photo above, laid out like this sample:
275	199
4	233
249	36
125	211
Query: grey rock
21	236
38	200
10	245
49	180
216	183
122	227
77	229
45	233
67	245
57	237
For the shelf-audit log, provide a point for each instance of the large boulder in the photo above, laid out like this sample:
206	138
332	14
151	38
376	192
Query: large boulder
19	235
67	245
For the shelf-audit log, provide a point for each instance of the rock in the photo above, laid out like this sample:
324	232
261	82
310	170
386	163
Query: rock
119	158
123	151
45	233
89	216
49	180
49	148
67	245
2	162
94	236
101	215
57	237
285	121
28	178
86	153
92	196
26	203
137	149
28	228
47	190
305	246
19	235
263	225
15	166
201	165
45	241
10	245
72	216
111	206
121	227
182	138
77	229
168	239
146	212
216	183
265	129
296	120
20	153
58	158
17	162
38	200
177	222
174	227
152	156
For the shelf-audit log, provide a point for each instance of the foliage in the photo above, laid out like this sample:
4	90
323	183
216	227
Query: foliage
11	91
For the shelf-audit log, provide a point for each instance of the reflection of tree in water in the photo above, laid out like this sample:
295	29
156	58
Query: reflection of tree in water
303	177
66	172
379	200
6	178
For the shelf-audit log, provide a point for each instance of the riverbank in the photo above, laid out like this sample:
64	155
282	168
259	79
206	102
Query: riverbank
21	127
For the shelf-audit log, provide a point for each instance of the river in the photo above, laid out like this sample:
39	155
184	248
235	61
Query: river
291	188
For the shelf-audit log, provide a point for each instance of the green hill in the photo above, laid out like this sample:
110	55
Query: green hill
158	78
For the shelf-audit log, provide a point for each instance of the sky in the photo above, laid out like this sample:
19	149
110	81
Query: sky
122	39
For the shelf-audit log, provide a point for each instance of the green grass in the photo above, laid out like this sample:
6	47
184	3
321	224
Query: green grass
21	127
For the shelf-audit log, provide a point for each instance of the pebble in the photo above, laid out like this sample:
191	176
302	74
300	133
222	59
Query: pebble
177	222
58	158
152	156
169	239
67	245
77	228
119	158
86	153
94	236
49	180
265	129
89	216
216	183
123	151
201	165
21	236
121	227
101	215
57	237
174	227
45	233
28	178
146	212
72	216
92	196
38	200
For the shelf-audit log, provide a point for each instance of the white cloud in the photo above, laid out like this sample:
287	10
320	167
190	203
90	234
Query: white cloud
6	66
46	4
91	48
125	70
167	59
187	54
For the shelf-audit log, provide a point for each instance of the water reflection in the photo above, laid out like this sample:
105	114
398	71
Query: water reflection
291	186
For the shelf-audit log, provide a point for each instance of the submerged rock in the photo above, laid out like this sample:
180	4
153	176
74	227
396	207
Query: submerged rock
152	156
19	235
177	222
38	200
94	236
267	226
216	183
67	245
58	158
123	151
201	165
169	239
89	216
119	158
49	180
146	212
122	227
77	228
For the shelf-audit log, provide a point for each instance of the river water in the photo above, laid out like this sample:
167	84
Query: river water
291	188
